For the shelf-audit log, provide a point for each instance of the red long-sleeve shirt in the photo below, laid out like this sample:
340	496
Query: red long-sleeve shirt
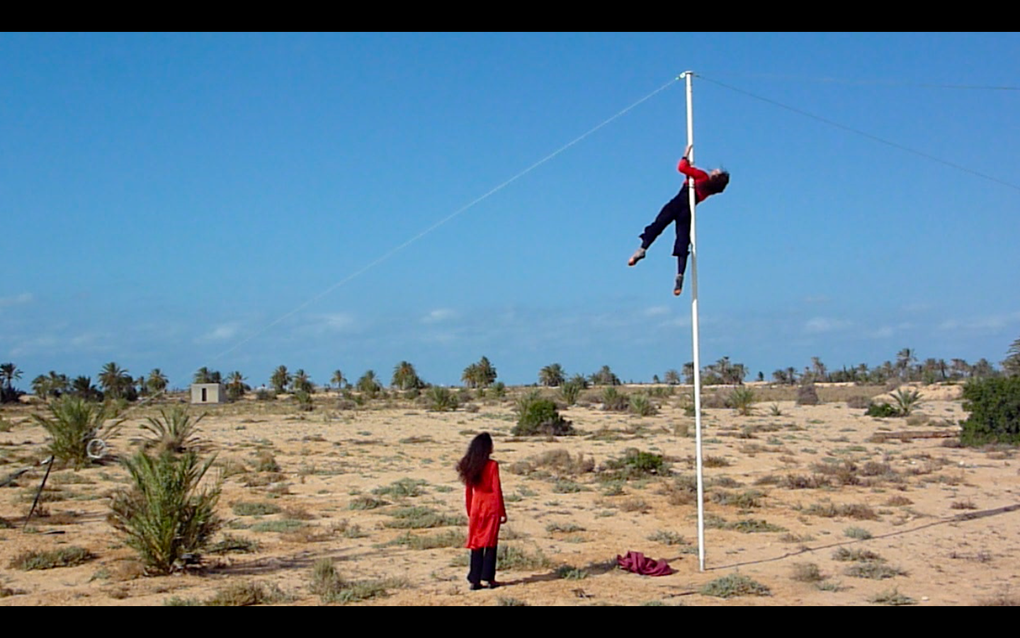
700	179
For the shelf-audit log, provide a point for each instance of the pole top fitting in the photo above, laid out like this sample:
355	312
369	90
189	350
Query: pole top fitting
684	75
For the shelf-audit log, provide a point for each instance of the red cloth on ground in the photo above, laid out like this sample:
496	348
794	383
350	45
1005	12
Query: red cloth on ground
485	507
637	562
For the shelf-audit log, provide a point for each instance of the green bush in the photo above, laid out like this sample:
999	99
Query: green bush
440	399
615	401
881	410
642	406
540	416
73	423
163	514
742	400
994	407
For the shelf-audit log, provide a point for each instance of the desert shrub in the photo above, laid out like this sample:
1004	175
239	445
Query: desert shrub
524	401
246	594
422	518
881	410
304	401
173	431
163	514
636	464
73	423
742	400
571	391
641	406
734	585
64	557
906	401
893	598
540	416
255	509
807	573
440	399
994	407
807	395
402	488
614	401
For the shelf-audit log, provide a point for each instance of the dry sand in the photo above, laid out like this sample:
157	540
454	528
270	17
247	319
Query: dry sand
938	515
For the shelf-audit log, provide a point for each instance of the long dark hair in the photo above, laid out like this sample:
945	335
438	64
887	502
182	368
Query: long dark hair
470	467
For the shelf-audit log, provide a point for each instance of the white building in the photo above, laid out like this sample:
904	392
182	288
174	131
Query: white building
208	393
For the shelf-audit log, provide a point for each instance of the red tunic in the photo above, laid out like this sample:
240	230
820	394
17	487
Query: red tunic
484	508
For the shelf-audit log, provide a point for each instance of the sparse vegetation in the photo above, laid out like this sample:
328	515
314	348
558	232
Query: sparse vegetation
734	585
63	557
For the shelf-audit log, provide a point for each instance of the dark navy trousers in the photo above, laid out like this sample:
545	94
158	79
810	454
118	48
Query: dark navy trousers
678	212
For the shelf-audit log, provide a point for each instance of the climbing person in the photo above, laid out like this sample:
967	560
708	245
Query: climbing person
678	211
486	510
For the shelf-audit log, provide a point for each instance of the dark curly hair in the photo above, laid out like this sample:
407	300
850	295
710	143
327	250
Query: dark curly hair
471	466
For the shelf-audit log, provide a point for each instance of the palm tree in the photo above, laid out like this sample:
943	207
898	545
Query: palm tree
983	368
904	359
116	382
960	368
369	384
672	377
604	376
338	379
157	381
1011	364
301	382
405	377
280	379
689	373
479	375
818	370
9	373
236	386
82	387
205	375
552	375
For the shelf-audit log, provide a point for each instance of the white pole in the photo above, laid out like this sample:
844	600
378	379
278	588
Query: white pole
694	323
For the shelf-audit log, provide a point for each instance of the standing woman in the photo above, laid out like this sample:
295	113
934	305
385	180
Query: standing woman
486	511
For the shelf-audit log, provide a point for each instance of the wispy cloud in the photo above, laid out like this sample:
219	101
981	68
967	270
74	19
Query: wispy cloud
222	332
819	325
439	315
17	300
989	323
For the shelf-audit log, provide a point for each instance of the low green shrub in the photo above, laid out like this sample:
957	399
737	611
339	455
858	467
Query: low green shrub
994	407
540	416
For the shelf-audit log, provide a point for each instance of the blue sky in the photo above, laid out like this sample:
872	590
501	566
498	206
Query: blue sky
188	200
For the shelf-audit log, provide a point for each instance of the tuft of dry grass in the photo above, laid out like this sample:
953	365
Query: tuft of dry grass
64	557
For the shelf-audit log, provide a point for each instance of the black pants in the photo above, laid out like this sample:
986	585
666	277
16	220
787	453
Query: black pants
483	565
678	212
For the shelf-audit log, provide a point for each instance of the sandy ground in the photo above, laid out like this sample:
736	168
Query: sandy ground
778	508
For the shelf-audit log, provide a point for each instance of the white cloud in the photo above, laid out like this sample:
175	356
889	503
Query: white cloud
990	323
336	322
438	315
817	325
222	332
17	300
